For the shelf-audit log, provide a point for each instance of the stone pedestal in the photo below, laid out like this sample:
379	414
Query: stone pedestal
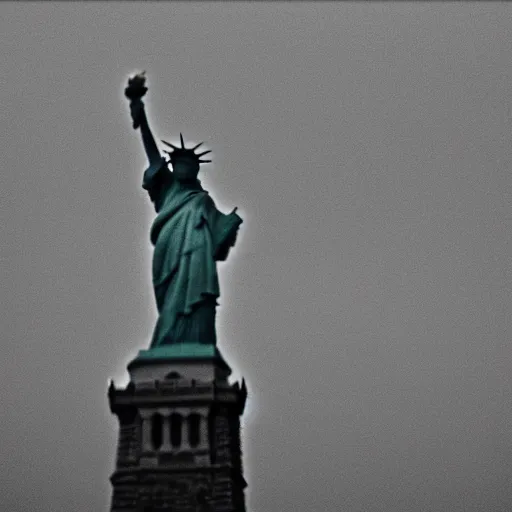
178	393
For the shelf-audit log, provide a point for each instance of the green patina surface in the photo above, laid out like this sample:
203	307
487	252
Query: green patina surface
190	236
179	351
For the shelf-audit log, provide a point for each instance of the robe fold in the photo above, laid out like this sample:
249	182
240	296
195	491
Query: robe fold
189	235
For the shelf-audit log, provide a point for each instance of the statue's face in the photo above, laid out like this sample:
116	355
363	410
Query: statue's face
185	170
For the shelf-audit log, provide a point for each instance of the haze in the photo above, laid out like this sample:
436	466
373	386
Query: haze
367	301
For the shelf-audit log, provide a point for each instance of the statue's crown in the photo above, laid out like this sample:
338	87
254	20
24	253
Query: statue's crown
184	154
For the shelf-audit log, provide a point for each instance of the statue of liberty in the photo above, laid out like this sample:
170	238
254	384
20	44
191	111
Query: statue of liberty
189	236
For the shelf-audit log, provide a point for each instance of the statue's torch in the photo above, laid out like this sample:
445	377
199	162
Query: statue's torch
134	92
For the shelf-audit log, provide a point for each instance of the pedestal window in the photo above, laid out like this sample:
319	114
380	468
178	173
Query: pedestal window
176	426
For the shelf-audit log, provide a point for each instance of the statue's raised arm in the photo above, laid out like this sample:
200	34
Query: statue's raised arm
134	92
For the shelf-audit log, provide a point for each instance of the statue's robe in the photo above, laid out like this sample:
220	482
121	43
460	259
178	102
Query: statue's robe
189	235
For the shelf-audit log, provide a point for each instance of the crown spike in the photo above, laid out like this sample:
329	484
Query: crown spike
182	143
195	147
204	152
204	161
170	145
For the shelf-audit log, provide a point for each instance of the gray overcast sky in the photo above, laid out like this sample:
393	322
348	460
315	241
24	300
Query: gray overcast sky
367	302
